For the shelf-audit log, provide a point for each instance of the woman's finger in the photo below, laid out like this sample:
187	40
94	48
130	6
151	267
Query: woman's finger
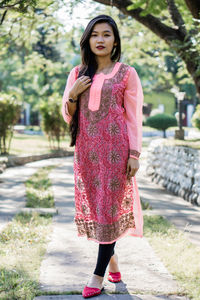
83	82
127	169
83	78
133	172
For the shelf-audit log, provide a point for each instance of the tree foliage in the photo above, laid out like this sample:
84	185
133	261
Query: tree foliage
161	122
176	22
35	54
21	6
10	109
196	117
52	121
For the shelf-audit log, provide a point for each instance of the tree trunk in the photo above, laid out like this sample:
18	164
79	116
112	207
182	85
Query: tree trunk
164	134
194	7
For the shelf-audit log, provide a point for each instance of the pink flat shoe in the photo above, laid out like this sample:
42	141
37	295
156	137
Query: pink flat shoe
114	277
91	292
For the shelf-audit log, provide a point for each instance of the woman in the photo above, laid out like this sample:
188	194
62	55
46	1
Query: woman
102	102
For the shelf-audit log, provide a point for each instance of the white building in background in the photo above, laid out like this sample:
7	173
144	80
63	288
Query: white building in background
25	114
189	113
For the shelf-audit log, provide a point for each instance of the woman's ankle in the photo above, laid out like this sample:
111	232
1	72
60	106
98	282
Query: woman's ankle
95	281
113	264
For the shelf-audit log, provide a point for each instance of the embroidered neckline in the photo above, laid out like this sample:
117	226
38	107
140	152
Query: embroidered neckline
112	73
108	92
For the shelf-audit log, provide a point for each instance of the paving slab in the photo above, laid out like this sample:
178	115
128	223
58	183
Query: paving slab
113	297
70	260
12	188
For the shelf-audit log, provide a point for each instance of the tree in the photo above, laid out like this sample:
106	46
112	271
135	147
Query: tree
174	21
196	117
35	54
10	109
52	121
161	122
21	6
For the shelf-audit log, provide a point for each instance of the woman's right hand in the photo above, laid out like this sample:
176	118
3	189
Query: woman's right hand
79	86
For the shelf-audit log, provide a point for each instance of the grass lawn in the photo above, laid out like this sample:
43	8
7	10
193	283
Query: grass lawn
194	143
22	247
38	189
156	98
179	255
23	241
33	144
24	144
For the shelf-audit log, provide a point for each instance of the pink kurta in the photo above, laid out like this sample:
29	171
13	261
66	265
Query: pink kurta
110	130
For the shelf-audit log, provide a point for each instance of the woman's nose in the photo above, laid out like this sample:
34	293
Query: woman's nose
100	38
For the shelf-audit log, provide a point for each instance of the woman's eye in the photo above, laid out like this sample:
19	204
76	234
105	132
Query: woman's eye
94	35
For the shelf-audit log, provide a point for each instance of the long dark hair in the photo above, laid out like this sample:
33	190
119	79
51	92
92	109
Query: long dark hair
89	64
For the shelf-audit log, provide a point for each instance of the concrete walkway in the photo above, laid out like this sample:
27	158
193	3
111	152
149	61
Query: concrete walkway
108	296
182	214
12	188
70	260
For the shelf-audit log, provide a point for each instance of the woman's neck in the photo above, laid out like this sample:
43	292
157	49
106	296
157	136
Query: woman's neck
104	63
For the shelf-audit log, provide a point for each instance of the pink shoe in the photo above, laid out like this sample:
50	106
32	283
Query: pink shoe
91	292
114	277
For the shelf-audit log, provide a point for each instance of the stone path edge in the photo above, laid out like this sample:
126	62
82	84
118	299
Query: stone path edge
114	296
13	161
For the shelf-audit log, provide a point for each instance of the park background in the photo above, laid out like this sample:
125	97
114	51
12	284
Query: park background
39	45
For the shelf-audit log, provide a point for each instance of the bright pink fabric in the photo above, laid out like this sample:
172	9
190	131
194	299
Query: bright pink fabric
95	90
70	81
133	102
107	204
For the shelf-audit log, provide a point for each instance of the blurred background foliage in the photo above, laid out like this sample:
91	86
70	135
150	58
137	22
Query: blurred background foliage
38	49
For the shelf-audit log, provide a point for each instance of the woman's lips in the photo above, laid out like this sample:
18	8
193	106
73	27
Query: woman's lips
100	47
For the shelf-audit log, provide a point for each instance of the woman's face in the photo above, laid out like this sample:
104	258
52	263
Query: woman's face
102	39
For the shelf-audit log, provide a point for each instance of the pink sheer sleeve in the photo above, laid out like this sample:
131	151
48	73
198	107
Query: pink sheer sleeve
70	81
133	102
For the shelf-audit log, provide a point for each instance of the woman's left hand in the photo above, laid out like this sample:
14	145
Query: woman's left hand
132	167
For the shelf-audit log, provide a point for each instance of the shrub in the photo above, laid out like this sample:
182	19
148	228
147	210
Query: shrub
161	122
10	109
196	117
53	123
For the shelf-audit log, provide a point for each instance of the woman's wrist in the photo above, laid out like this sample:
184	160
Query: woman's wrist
73	96
133	158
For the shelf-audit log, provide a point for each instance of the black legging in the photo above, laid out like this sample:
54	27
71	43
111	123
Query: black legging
104	255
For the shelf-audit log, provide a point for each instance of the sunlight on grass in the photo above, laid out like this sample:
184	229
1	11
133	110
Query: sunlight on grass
194	143
38	189
22	247
33	144
179	255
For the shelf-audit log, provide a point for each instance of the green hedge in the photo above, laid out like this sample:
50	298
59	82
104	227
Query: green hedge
161	122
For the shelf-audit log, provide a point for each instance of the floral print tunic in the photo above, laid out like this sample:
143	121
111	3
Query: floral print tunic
110	131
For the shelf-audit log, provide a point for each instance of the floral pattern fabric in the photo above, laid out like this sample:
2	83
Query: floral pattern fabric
107	203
